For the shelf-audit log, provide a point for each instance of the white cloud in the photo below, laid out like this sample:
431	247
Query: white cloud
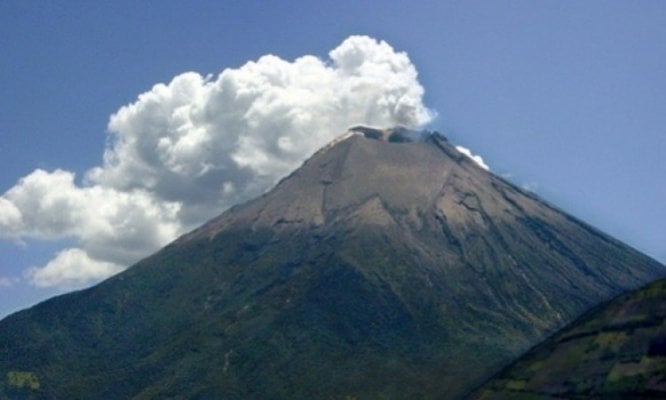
10	218
476	158
186	150
530	187
6	281
111	225
71	268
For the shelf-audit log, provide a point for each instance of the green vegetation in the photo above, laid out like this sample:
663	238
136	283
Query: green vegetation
615	352
21	380
515	384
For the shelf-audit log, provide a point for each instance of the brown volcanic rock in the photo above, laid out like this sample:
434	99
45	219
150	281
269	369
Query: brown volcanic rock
388	266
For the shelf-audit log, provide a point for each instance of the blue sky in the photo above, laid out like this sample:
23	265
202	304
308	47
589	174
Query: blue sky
565	97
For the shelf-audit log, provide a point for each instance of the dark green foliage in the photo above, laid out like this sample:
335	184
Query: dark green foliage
616	351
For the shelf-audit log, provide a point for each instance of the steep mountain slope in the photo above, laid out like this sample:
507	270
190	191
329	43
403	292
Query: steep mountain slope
617	351
388	266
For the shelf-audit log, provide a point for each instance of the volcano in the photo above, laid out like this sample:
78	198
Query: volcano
389	265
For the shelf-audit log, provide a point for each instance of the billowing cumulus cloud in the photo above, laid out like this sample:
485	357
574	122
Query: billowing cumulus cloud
474	157
71	268
186	150
10	217
111	225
